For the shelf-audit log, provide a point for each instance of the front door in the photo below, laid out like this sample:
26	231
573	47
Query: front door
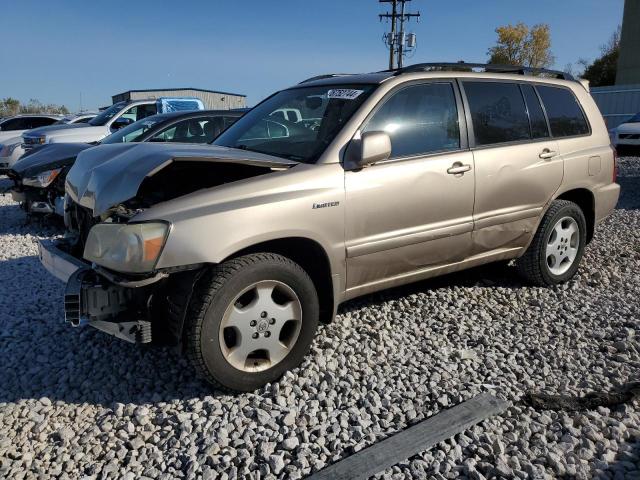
412	212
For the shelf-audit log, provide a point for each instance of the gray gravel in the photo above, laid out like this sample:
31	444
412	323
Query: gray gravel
75	403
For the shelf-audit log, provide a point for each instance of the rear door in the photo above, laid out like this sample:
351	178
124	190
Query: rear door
518	165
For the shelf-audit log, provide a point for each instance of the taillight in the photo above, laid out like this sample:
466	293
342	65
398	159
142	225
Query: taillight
615	164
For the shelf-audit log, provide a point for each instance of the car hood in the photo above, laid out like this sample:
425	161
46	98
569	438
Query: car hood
629	128
60	131
9	134
107	175
48	157
36	132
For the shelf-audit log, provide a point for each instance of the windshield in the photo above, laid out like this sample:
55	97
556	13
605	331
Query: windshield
107	114
296	124
133	132
634	119
63	121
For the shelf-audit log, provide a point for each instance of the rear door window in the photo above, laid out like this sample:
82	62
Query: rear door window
498	112
36	122
138	112
419	119
565	115
14	124
190	130
538	121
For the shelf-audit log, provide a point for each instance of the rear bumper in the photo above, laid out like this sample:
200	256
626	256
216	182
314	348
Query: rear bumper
606	200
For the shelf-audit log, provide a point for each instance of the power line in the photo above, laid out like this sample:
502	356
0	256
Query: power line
398	42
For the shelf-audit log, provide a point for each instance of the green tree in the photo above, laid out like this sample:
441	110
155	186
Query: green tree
521	45
9	107
36	106
602	71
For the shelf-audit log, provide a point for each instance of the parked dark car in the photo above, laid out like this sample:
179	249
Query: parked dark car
40	174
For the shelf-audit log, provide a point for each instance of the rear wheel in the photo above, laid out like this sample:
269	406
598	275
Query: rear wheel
252	319
557	247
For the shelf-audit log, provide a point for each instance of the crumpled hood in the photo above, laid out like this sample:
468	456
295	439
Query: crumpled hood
48	157
107	175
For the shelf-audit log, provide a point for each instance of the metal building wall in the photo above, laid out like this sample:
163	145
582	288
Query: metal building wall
211	100
617	103
629	61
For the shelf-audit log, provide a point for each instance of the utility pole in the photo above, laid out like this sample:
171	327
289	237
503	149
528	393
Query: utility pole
398	42
392	36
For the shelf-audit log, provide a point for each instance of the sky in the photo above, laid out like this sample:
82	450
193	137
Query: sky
59	52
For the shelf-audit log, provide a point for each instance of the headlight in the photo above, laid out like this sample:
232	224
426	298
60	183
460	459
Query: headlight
12	148
132	248
43	179
38	140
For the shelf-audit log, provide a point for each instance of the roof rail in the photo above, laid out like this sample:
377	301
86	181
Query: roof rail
327	75
489	68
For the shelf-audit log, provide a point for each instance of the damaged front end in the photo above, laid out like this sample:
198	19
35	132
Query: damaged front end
138	310
109	259
39	177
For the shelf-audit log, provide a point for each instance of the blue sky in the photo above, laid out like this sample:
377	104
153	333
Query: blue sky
52	51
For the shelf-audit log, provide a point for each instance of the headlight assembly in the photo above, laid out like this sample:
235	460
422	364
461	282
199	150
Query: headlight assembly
129	248
43	179
12	148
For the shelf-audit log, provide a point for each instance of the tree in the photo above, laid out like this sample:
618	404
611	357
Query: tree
602	71
9	107
521	45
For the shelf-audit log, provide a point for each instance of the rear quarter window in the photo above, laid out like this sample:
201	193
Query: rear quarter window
565	115
538	121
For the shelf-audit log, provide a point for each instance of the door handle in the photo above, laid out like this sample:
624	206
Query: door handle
458	169
547	154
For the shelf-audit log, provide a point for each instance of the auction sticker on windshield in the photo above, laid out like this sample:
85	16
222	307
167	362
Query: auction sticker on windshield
344	93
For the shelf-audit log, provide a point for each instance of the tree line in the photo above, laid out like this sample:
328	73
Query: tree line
10	106
531	47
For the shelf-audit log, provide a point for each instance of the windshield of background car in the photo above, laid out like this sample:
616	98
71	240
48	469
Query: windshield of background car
634	119
133	132
63	121
313	117
107	114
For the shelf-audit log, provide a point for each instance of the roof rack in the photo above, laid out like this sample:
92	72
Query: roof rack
489	68
328	75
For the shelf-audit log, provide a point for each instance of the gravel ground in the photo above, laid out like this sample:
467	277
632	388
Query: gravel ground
75	403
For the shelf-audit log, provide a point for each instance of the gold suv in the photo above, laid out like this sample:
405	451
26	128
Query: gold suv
337	187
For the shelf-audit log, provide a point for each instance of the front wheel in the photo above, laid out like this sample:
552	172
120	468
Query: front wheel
557	247
251	319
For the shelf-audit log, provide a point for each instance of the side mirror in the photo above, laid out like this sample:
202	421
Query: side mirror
372	147
120	123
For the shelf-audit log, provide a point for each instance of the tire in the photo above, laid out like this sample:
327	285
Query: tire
541	269
229	317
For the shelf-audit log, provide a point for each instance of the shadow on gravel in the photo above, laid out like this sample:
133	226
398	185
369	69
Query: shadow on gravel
14	220
42	356
629	193
625	465
493	275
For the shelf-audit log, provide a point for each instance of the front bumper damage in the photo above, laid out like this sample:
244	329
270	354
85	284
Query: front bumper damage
91	299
